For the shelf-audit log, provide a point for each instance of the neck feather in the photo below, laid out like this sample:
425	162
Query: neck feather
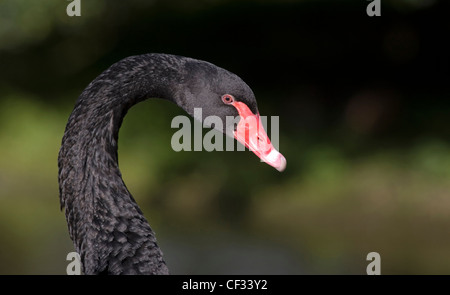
107	227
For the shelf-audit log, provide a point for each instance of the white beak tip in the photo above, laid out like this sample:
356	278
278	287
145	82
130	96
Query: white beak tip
282	164
276	160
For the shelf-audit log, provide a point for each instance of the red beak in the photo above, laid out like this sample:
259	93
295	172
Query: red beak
250	132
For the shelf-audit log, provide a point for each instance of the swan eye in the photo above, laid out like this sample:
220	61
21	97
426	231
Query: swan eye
227	99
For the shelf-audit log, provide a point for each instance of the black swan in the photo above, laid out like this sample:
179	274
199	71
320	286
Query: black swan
105	224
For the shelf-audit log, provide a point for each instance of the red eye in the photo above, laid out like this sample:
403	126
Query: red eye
227	99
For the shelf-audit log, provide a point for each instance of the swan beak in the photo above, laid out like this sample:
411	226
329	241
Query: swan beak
250	132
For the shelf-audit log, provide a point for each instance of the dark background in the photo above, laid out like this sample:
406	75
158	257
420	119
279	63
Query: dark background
364	116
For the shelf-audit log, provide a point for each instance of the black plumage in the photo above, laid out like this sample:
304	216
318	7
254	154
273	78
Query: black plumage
106	225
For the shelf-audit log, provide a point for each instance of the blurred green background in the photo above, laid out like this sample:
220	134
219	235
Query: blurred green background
364	121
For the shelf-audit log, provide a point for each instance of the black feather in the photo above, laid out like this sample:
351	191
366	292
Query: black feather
106	225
